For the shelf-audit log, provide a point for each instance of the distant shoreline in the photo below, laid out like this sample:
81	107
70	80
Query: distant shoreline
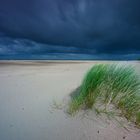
43	62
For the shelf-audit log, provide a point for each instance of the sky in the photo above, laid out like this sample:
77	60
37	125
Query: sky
70	29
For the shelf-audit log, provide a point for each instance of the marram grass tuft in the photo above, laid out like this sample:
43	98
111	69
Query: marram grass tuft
110	84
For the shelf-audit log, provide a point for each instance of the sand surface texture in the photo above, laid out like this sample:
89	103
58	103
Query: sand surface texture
33	100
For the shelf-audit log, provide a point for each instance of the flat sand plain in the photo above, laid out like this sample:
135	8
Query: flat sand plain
34	97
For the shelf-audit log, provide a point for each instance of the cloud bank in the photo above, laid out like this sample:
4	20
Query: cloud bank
71	27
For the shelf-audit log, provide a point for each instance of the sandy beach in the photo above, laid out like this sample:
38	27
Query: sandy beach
34	97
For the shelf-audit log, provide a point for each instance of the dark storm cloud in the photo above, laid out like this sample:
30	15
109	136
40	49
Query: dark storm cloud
90	26
24	46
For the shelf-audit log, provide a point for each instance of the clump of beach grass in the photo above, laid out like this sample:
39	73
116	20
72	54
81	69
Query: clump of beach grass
107	84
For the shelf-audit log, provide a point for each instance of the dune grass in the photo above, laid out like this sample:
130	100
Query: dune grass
108	84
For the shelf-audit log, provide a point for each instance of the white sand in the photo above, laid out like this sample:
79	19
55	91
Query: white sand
27	92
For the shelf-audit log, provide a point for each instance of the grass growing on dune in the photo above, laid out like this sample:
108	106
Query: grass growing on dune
108	84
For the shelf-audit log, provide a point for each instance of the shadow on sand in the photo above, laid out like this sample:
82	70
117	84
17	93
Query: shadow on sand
75	93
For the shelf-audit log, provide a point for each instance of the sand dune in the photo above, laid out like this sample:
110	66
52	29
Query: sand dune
33	101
